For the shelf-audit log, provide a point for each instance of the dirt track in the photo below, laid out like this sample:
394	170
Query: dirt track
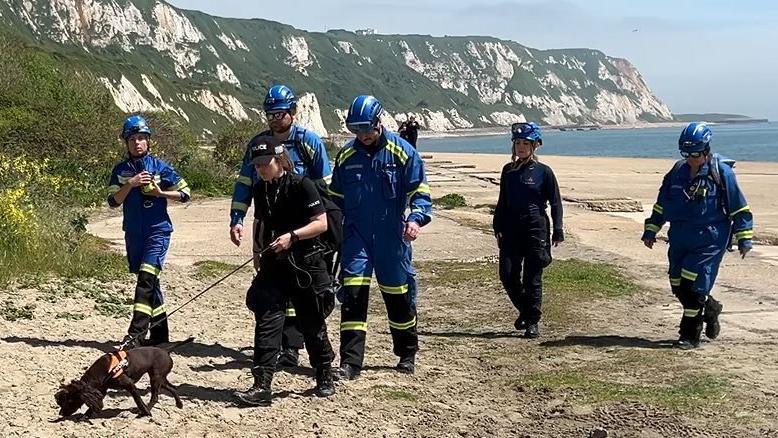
473	377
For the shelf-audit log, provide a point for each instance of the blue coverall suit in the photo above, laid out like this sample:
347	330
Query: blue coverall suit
319	171
147	228
520	217
701	218
374	186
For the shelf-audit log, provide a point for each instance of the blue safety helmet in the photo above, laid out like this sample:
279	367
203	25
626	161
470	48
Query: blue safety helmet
280	98
695	137
134	125
363	114
526	131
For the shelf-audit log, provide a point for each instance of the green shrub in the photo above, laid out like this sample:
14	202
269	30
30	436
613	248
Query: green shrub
452	200
230	145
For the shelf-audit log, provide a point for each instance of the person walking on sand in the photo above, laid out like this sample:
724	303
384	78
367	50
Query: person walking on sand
412	131
378	176
701	199
142	184
294	218
309	157
522	227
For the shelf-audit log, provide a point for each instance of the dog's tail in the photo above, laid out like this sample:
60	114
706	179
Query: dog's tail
175	345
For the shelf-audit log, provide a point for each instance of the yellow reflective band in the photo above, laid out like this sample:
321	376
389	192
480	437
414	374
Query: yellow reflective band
345	155
423	188
158	311
744	234
353	325
179	187
186	190
239	206
691	313
652	227
151	269
113	189
246	181
291	313
123	179
327	179
658	208
141	308
404	325
311	151
745	208
689	275
393	290
334	193
356	281
398	152
675	281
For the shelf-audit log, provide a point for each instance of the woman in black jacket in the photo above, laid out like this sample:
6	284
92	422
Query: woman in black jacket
522	227
294	217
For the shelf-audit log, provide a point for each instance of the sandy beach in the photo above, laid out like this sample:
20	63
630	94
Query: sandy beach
602	363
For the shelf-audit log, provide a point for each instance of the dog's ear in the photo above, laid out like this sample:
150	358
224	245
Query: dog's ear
92	398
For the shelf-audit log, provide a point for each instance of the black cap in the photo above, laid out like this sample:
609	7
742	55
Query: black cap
264	148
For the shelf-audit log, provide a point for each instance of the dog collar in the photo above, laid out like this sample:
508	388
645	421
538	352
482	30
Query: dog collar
118	363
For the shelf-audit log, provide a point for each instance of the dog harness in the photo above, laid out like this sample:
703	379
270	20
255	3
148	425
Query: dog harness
118	363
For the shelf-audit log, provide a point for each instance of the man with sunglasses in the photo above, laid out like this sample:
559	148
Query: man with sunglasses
701	199
377	176
309	158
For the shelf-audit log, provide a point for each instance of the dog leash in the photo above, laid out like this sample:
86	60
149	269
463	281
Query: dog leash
136	337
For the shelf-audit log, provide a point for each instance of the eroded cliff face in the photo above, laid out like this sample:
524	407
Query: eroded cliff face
210	70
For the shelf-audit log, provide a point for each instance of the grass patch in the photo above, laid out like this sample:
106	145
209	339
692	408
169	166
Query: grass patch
396	394
587	279
459	274
12	313
688	392
452	200
113	310
70	316
205	269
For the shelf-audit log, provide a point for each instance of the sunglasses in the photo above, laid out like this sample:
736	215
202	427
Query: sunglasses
360	128
518	128
276	115
692	154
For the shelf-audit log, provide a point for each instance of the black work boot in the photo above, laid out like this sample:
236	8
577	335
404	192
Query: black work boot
288	358
260	393
689	332
520	324
712	311
407	364
325	385
532	331
347	372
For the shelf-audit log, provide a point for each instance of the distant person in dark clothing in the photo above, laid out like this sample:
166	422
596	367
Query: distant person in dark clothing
523	230
412	131
403	130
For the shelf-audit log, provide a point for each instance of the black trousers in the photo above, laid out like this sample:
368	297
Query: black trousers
523	256
149	308
690	327
276	285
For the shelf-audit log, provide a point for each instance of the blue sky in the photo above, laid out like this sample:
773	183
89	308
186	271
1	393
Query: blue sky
698	56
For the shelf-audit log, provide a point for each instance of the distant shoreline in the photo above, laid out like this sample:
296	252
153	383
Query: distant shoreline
500	130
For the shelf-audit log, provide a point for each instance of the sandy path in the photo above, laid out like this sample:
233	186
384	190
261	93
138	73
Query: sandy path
466	384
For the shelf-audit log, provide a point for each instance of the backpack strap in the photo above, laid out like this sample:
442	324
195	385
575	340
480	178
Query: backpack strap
299	138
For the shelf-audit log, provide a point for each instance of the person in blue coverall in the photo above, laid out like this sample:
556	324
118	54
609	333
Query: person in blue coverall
377	176
523	229
309	158
142	184
701	199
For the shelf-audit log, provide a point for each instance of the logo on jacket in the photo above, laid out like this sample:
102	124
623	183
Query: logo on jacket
529	180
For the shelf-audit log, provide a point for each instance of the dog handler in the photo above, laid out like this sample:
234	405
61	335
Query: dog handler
294	216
